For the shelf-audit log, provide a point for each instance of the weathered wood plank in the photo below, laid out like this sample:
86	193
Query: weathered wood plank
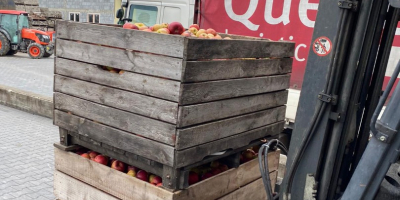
128	101
199	113
125	187
143	63
106	179
66	187
198	153
122	38
200	134
254	190
146	127
228	181
215	90
147	85
218	49
140	146
196	71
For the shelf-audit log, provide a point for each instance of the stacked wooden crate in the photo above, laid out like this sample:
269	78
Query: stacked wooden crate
174	102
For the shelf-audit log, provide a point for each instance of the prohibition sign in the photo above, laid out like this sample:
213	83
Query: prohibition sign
322	46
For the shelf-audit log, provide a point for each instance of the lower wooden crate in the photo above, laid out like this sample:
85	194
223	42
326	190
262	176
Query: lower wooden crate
80	178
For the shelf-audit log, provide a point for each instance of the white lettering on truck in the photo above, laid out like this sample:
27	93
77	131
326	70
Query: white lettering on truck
284	18
244	19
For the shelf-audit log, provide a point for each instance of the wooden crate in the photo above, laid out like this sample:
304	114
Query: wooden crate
80	178
177	100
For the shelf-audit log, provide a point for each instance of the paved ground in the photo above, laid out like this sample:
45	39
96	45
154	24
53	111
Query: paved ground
22	72
26	155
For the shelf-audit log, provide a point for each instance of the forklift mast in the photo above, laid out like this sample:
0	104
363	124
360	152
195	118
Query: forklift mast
342	85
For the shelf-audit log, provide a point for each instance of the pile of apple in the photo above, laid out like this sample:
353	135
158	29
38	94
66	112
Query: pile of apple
196	174
120	166
176	28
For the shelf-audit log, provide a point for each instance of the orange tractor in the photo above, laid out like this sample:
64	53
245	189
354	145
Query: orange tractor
15	36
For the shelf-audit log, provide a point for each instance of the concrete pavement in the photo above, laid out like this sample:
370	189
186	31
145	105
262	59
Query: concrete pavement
26	154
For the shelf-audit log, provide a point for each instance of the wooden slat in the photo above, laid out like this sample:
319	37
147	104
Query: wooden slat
215	90
254	190
196	71
143	63
150	128
122	140
106	179
198	153
124	100
200	134
216	49
229	181
123	38
125	187
147	85
199	113
66	187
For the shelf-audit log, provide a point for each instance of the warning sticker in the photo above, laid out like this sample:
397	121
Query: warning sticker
322	46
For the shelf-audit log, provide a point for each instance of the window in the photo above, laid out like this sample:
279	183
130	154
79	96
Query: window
171	14
74	16
93	18
143	14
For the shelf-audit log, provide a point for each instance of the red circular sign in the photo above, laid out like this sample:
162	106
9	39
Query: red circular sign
322	46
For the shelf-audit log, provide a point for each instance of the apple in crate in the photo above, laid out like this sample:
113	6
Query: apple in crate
135	169
193	178
163	31
223	167
85	155
193	30
176	28
142	175
131	173
118	165
153	179
93	154
195	26
130	26
101	159
206	175
211	31
187	34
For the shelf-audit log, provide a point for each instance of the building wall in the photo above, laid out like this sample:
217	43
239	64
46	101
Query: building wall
106	8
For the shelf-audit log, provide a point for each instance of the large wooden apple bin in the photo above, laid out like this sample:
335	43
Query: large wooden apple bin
176	100
80	178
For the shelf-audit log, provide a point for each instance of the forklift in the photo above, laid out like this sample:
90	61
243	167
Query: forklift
16	36
344	145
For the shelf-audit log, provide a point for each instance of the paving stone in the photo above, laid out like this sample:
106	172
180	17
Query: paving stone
27	146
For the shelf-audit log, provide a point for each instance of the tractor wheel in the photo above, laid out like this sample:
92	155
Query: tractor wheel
4	45
49	50
12	52
36	51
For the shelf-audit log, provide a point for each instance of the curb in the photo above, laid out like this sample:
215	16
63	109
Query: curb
26	101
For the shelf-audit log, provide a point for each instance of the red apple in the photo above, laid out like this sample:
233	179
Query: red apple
215	171
93	154
130	167
187	34
142	175
85	155
147	30
211	31
143	28
153	179
195	26
176	28
217	37
131	173
101	159
130	26
211	36
223	167
140	25
163	31
159	184
206	175
118	165
193	30
193	178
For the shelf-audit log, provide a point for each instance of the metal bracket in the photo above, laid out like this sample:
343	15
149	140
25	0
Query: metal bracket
327	98
385	134
334	116
348	5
